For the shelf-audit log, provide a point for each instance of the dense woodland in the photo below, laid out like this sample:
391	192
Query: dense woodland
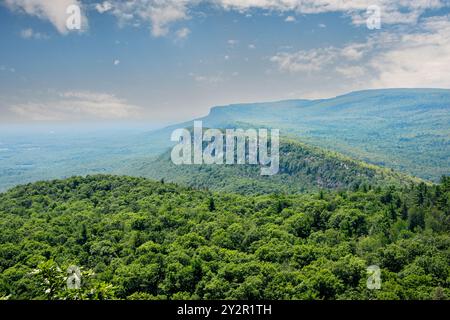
303	168
135	238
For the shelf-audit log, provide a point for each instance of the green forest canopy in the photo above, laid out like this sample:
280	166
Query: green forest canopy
135	238
302	168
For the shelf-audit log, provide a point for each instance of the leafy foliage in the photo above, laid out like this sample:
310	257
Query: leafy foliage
303	169
138	239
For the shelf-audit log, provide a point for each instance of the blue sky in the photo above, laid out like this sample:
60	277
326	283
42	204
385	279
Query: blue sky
164	61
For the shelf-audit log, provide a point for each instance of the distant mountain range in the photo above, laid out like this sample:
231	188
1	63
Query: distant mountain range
407	130
404	129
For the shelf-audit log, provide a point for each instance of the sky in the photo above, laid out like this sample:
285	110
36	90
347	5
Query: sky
165	61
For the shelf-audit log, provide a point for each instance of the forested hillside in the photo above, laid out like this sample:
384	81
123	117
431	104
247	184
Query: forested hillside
135	238
303	169
404	129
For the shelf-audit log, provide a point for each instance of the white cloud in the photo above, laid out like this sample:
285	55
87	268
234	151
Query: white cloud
51	10
396	58
322	58
393	12
355	51
232	42
103	7
183	33
418	59
351	71
116	62
161	16
305	60
31	34
161	13
290	19
77	105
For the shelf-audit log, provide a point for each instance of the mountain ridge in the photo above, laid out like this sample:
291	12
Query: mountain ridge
303	168
404	129
407	130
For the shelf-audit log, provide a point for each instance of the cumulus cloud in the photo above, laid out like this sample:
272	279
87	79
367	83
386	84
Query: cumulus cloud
77	105
356	51
397	58
161	13
50	10
416	59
